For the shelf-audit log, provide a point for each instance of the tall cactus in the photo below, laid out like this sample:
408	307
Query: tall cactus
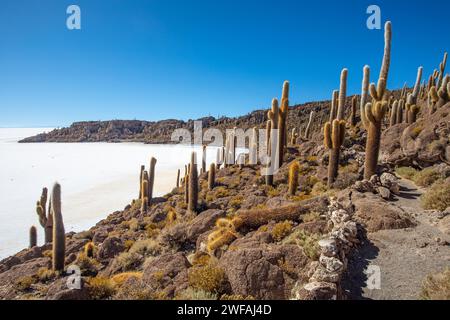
334	131
282	129
399	116
365	96
394	111
285	101
442	70
294	169
411	103
334	105
151	179
45	217
334	134
140	181
211	176
33	237
193	184
273	118
353	114
253	147
59	237
203	158
144	188
375	111
178	178
294	136
308	127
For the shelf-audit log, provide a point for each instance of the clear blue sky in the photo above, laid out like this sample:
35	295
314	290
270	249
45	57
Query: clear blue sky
184	59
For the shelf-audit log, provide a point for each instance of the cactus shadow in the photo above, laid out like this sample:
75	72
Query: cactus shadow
355	279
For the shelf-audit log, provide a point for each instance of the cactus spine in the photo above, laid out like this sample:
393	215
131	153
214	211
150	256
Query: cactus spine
59	237
33	237
151	179
293	177
211	176
375	111
193	184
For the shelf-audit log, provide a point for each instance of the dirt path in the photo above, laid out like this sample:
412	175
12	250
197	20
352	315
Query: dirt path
403	257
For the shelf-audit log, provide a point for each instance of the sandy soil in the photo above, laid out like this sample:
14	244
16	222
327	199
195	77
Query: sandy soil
404	257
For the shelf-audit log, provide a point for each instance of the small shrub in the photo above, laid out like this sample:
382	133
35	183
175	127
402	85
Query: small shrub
437	287
426	177
121	278
88	266
147	247
235	297
308	242
281	230
236	202
129	260
209	278
221	192
25	283
272	192
416	131
196	294
319	188
152	230
128	244
45	274
312	216
437	197
406	172
137	290
101	288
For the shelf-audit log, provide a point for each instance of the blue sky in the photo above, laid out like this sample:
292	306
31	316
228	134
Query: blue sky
159	59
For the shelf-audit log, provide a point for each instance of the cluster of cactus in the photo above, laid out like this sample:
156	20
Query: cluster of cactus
277	120
59	237
396	112
53	224
439	97
224	234
192	186
45	216
146	184
334	130
294	169
412	109
373	113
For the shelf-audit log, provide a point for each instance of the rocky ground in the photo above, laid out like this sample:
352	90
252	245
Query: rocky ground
316	244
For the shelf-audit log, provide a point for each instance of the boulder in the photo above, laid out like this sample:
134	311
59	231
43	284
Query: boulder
110	248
